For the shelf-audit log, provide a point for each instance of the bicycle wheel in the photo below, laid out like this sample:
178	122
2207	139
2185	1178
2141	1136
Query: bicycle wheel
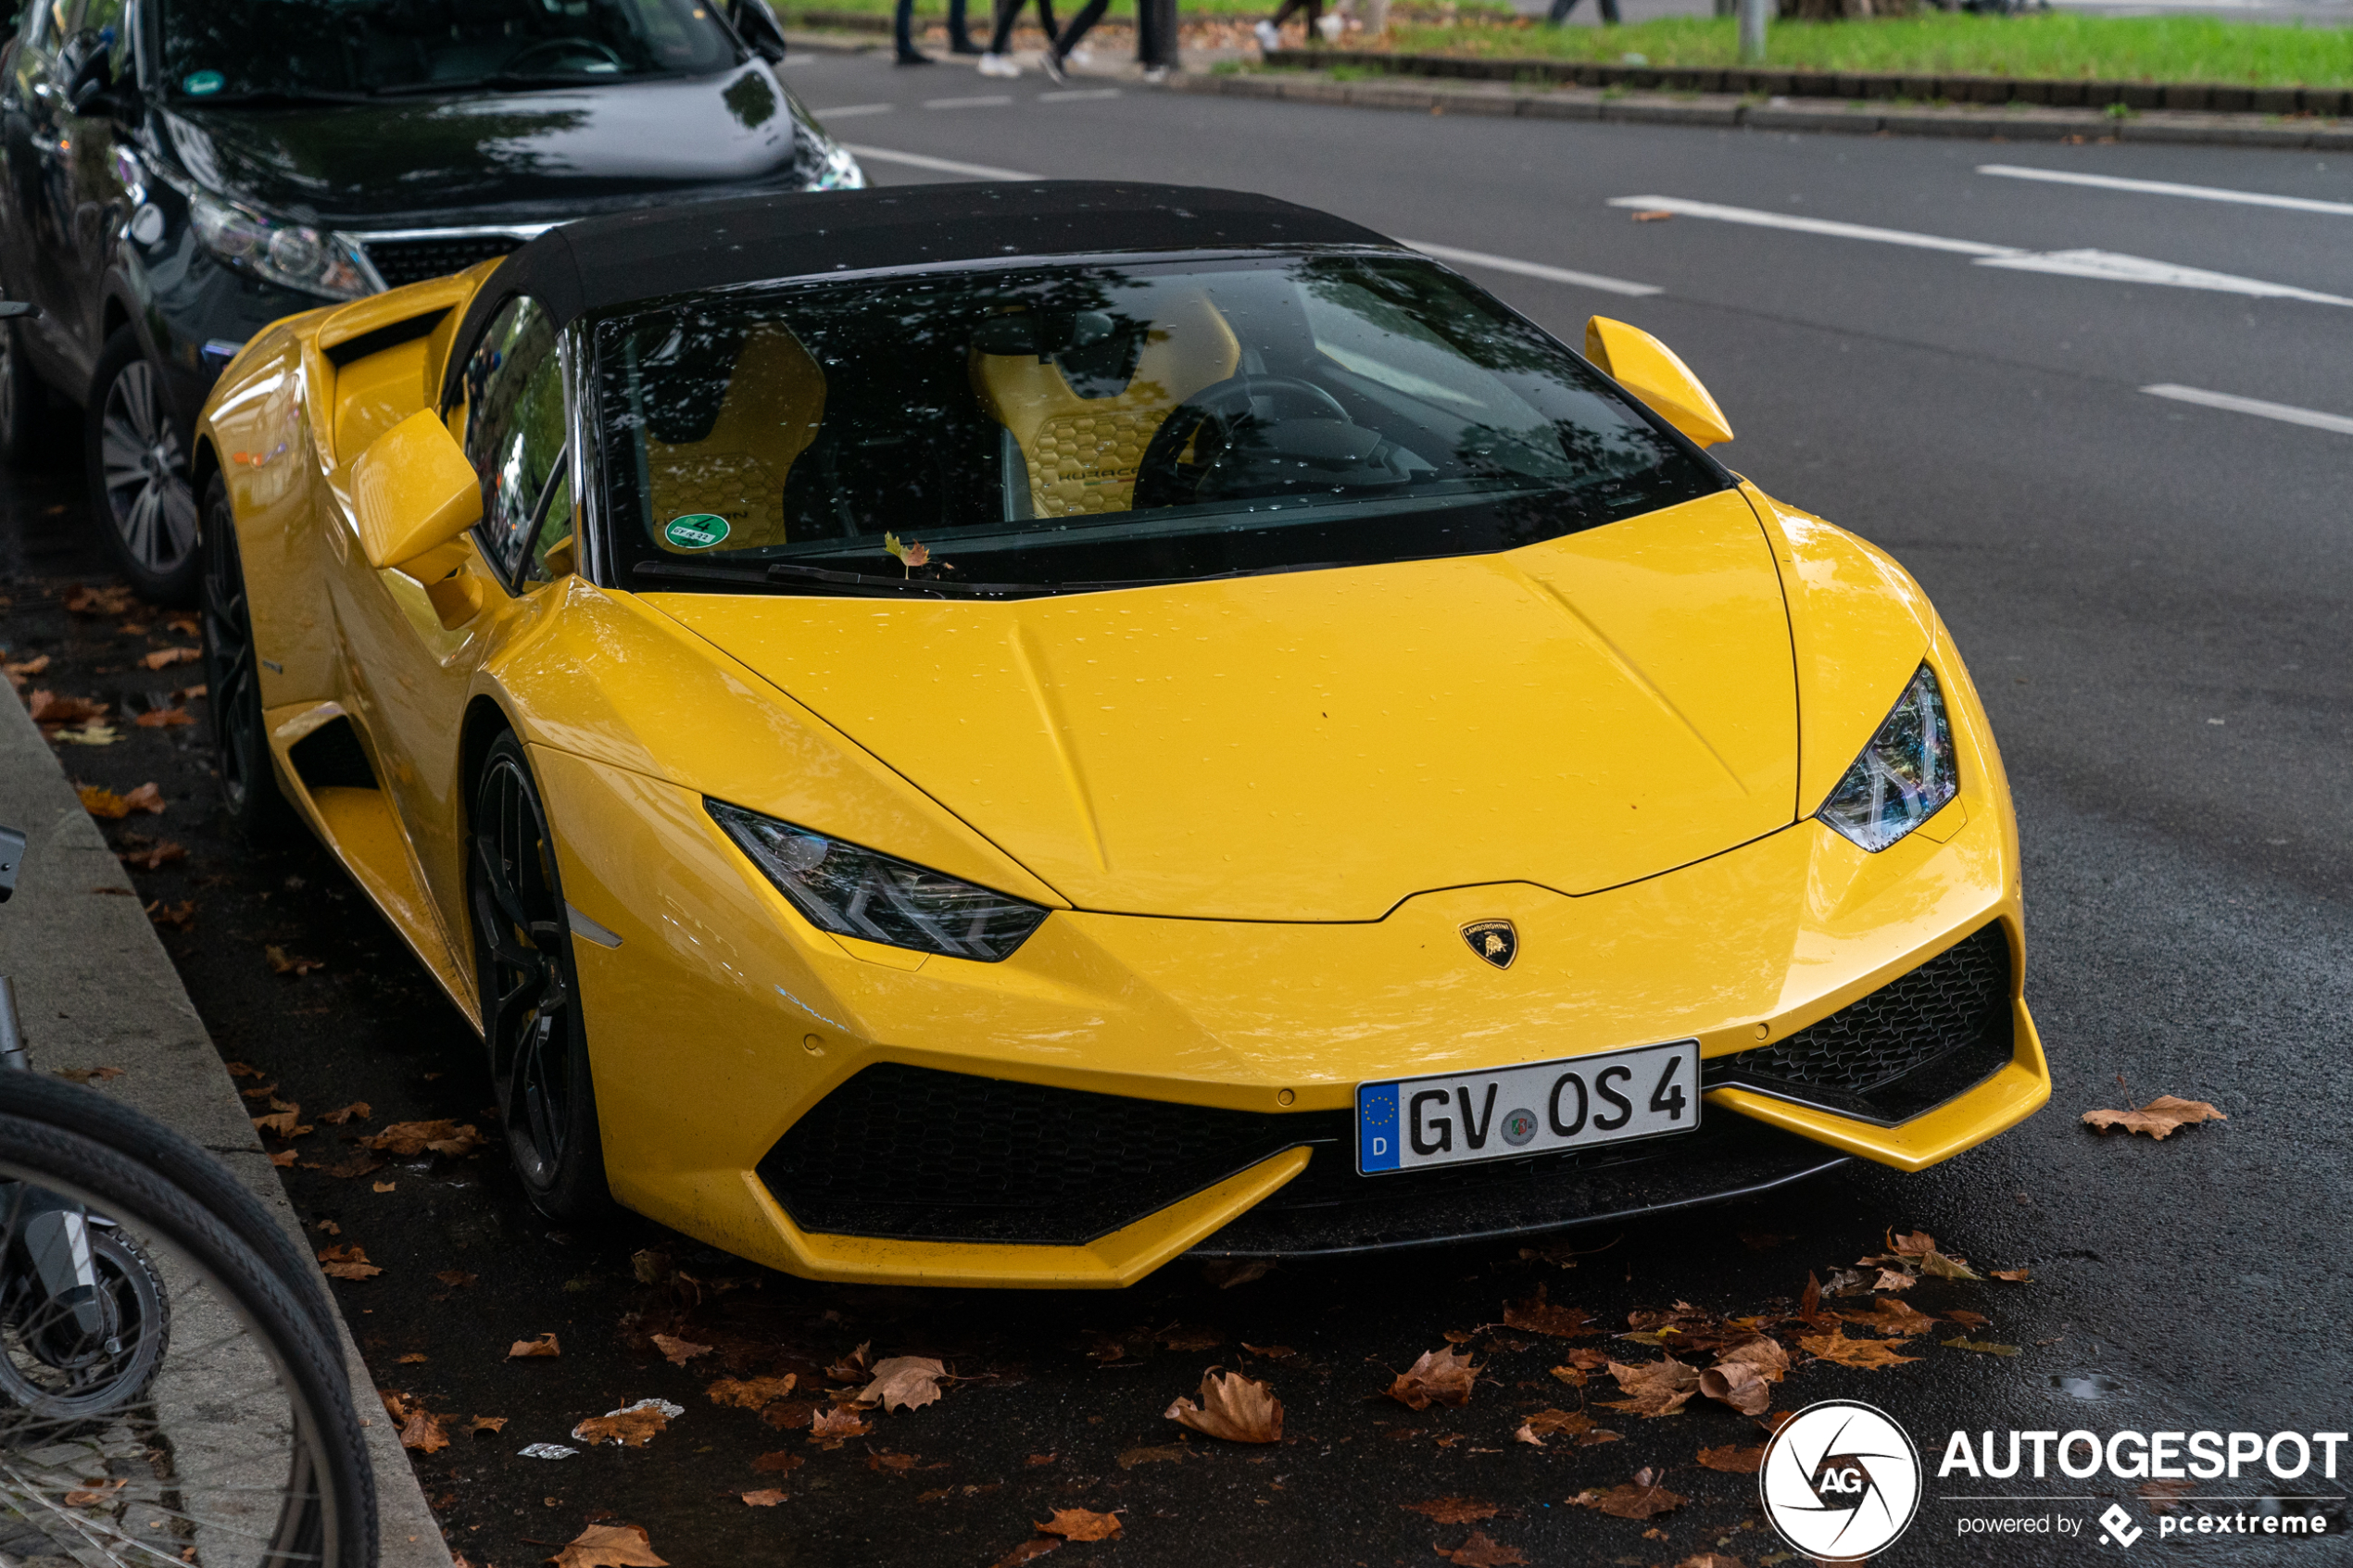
180	1161
202	1420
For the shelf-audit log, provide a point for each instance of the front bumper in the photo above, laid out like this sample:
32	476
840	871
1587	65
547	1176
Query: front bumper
724	1023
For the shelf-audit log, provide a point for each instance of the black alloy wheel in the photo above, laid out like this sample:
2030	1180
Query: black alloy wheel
140	494
232	683
531	992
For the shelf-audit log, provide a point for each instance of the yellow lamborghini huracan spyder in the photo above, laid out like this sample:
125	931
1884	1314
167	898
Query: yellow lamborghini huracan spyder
996	735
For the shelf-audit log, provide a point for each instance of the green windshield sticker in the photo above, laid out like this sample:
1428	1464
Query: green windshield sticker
203	84
696	530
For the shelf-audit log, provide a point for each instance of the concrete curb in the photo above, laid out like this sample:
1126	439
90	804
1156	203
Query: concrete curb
2012	122
96	989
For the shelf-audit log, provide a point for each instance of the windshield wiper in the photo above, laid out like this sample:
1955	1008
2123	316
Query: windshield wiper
268	96
512	79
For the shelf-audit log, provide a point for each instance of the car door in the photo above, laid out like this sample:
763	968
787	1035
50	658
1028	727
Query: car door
413	639
32	121
88	192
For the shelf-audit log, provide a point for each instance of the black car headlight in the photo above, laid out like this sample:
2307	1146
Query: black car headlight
291	254
854	892
1904	777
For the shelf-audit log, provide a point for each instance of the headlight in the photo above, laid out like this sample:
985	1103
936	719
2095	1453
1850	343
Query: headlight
837	170
855	891
289	254
1903	777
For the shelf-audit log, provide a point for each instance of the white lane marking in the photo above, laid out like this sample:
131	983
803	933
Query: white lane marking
986	100
1755	218
1533	270
2286	413
1073	95
2109	266
2118	269
848	111
938	164
2167	188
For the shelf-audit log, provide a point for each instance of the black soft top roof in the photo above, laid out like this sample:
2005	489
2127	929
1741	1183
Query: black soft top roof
597	263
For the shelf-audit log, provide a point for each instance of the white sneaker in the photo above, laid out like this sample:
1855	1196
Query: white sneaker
998	65
1081	56
1267	37
1331	28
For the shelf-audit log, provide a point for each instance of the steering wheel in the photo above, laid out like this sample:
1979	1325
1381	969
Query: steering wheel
1198	430
553	46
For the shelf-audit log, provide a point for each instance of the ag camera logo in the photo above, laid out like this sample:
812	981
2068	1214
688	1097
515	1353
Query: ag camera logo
1841	1480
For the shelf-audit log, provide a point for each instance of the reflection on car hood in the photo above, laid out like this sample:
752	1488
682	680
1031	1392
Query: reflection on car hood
516	157
1317	746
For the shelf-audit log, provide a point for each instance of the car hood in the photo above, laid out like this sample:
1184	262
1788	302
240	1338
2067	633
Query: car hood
1317	746
511	157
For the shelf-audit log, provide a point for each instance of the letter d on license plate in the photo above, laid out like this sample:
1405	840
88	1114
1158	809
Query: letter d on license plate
1456	1118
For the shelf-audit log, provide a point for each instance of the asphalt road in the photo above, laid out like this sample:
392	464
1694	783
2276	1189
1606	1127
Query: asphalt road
2153	594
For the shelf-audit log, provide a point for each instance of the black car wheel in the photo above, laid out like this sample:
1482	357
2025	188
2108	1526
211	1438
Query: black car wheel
531	992
233	684
140	494
30	421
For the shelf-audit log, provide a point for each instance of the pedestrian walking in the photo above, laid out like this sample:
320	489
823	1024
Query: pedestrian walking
1559	13
902	29
1270	33
997	59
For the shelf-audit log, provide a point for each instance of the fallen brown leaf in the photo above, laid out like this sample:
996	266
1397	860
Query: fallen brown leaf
414	1358
284	1158
359	1165
1764	1352
2164	1496
903	1382
1983	1346
1437	1377
1943	1267
1709	1559
1643	1497
1737	1384
1238	1409
164	659
2014	1276
631	1428
337	1117
154	856
456	1279
1655	1388
1809	1306
1732	1459
1968	1319
347	1262
1540	1316
494	1424
1191	1338
1836	1349
163	718
180	917
280	963
1482	1551
17	671
609	1545
678	1352
749	1393
836	1424
243	1069
544	1346
1130	1458
404	1140
784	1461
110	599
146	797
1081	1525
278	1123
102	803
93	1491
379	1187
1030	1550
1453	1510
88	1074
2160	1117
1269	1352
1896	1319
1572	1423
48	708
423	1432
767	1497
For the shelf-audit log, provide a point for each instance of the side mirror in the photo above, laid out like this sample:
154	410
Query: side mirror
413	490
756	26
1649	369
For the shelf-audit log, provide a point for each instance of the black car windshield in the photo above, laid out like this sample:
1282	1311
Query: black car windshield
1058	428
229	49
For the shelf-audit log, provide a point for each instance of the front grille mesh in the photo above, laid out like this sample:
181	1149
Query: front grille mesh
907	1151
1907	1047
413	261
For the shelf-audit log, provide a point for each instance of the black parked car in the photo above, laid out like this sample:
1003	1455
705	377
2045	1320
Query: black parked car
182	172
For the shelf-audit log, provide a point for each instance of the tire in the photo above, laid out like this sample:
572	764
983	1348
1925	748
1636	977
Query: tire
32	427
249	790
327	1501
49	1371
177	1158
530	991
141	501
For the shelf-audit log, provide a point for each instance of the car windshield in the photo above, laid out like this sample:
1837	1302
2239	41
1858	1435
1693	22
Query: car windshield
1059	428
225	50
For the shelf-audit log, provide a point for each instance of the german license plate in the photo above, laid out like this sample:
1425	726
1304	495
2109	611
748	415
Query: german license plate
1457	1118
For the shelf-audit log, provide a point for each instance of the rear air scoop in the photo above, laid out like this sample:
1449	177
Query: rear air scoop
1317	745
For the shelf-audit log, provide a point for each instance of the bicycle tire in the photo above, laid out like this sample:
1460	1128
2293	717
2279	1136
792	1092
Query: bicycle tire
328	1502
186	1163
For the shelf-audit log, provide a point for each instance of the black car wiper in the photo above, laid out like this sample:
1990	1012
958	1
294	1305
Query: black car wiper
274	97
812	579
514	79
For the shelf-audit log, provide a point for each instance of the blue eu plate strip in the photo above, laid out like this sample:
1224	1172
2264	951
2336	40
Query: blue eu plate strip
1376	1127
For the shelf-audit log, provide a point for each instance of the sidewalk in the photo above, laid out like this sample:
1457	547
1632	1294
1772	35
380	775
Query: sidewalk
95	989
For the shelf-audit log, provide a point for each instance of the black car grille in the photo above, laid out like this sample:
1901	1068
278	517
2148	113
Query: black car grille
1905	1048
413	261
922	1155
